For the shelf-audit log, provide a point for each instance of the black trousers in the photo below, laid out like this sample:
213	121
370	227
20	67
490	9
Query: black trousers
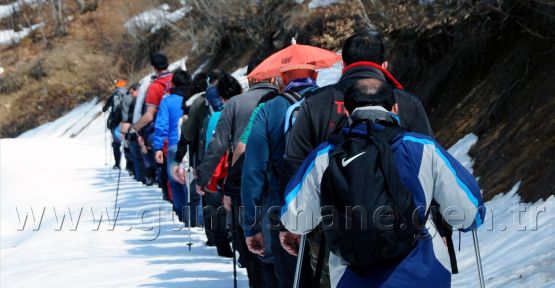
215	222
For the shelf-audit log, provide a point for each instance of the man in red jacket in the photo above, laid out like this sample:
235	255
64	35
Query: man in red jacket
156	91
159	87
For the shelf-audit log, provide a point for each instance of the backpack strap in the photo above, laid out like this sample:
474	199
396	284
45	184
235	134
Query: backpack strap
384	140
292	96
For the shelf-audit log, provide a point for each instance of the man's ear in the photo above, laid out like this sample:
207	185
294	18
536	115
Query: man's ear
385	64
395	108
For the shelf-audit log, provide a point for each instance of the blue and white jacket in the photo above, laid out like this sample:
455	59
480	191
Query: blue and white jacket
430	173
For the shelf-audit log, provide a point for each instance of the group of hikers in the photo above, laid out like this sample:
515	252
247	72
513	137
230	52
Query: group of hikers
335	186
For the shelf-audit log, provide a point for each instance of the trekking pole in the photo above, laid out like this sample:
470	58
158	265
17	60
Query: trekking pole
110	164
233	207
117	194
105	143
300	254
189	181
478	258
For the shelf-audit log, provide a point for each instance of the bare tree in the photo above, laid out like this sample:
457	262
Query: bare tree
58	17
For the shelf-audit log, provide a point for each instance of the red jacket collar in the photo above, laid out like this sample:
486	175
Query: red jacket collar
377	66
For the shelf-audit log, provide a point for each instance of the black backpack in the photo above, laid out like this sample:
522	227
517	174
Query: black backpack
368	215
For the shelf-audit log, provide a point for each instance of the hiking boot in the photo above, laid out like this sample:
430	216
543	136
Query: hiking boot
116	167
210	243
224	250
149	181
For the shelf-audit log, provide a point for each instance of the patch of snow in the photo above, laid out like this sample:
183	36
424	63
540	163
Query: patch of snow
7	10
516	247
460	150
241	76
329	75
517	251
201	68
154	19
10	36
321	3
69	125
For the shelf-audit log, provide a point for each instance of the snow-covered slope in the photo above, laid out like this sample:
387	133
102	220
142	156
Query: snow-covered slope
49	180
517	251
59	168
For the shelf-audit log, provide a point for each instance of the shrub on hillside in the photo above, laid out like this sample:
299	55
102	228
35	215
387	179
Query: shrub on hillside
38	71
10	83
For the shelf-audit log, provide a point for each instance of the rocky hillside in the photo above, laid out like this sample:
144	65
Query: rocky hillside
482	67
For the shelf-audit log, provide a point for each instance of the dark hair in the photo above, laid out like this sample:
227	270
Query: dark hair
365	46
159	61
181	83
255	61
214	75
133	87
199	83
228	86
358	96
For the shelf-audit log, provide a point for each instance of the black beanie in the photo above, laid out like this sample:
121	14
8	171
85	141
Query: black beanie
181	78
159	61
182	83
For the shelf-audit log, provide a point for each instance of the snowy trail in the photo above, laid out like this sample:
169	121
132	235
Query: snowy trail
146	248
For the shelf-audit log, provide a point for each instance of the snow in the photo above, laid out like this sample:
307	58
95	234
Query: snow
154	19
241	76
329	75
319	3
69	125
8	9
146	247
512	255
10	36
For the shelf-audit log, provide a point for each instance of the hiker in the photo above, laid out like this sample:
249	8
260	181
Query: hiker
128	105
160	86
132	138
234	119
198	112
261	172
215	219
114	118
376	163
167	128
323	114
190	114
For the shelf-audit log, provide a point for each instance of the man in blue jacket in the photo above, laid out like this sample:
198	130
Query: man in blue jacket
425	169
167	127
261	171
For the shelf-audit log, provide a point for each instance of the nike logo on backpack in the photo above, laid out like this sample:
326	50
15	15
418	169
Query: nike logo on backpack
346	162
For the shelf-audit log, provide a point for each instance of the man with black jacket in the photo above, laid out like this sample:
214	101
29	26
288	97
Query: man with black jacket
323	114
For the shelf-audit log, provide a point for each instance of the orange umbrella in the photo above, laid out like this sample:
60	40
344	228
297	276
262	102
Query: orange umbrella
295	56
